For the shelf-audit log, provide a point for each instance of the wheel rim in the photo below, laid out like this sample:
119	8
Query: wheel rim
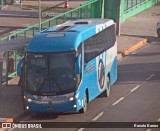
108	87
85	101
101	74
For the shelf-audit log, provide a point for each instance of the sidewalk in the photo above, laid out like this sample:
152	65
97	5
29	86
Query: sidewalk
10	100
133	30
139	27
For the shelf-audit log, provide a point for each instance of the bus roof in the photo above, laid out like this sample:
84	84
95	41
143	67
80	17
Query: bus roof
67	36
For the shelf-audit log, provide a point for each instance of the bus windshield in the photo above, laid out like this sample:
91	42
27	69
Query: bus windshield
50	73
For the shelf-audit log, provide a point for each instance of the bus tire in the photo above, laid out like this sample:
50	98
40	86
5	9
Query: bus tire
106	93
84	109
22	98
108	87
158	33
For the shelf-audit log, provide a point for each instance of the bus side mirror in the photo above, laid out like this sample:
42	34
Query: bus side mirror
78	64
19	66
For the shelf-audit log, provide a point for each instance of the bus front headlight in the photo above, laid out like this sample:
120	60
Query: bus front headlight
29	100
71	98
24	97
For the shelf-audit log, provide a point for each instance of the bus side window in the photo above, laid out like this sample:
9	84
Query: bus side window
99	43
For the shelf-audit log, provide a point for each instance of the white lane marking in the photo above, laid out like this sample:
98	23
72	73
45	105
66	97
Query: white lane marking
135	88
98	116
140	71
148	129
119	100
150	77
81	129
94	119
158	119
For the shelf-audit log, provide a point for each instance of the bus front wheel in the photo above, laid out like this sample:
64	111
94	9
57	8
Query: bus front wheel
106	93
84	109
108	87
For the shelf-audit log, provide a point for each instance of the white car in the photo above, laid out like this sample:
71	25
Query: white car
158	29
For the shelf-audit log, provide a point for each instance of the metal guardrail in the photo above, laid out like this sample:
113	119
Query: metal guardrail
86	10
83	11
131	4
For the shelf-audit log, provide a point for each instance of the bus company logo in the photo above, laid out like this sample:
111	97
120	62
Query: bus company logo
101	74
90	69
6	125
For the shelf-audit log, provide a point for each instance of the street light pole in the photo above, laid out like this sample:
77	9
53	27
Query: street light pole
39	5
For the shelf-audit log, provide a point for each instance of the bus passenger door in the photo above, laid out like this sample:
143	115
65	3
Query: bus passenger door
90	78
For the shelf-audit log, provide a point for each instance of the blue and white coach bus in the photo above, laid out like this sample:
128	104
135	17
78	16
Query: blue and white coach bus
67	66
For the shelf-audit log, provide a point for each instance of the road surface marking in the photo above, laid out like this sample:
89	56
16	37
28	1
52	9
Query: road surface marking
98	116
135	88
119	100
148	129
94	119
81	129
158	119
150	77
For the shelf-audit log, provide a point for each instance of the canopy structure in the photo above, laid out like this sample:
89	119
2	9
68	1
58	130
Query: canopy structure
5	47
14	44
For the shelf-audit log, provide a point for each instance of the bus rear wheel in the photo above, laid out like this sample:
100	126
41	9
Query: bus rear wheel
158	33
84	109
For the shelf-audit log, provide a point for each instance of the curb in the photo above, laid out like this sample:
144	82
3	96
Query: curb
6	120
16	117
132	48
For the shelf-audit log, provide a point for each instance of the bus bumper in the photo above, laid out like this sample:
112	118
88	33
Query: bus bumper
57	108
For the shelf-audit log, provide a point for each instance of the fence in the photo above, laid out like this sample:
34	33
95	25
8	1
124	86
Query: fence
86	10
132	7
89	9
128	8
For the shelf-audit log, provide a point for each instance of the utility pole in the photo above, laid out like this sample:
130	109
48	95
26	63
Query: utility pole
39	5
118	25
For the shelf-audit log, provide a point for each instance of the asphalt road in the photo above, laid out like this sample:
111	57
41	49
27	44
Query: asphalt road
134	97
139	71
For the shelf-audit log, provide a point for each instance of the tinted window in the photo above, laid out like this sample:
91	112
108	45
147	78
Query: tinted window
50	73
99	43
